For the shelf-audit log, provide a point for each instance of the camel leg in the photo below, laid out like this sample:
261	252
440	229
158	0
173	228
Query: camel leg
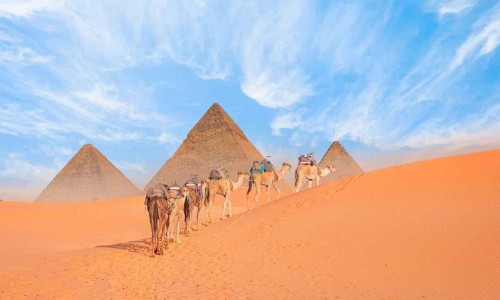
188	219
268	193
206	214
209	218
298	183
161	230
257	193
229	203
152	234
177	240
224	208
198	217
310	183
170	236
275	186
317	181
167	228
248	195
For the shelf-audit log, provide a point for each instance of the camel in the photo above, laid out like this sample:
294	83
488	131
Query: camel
195	201
223	187
158	208
266	179
310	173
180	208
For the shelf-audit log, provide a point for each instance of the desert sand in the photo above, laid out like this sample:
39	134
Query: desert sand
427	230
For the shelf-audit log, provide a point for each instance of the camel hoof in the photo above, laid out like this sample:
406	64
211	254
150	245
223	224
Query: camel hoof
178	241
222	218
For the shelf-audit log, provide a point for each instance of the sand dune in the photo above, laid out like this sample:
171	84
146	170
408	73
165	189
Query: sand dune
424	230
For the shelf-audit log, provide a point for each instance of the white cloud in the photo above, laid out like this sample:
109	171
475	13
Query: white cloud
286	121
273	43
483	41
23	56
26	8
166	138
455	6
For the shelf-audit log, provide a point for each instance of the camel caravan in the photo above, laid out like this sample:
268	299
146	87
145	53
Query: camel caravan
93	176
170	205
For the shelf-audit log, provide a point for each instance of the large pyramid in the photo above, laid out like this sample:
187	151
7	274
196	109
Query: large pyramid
89	175
214	141
339	158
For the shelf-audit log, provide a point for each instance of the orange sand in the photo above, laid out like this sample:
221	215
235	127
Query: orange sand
423	230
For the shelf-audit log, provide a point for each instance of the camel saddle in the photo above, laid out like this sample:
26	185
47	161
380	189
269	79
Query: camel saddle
257	165
219	173
158	190
268	166
194	184
307	160
174	191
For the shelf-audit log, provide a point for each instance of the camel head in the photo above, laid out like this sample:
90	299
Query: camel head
245	175
286	166
185	191
331	168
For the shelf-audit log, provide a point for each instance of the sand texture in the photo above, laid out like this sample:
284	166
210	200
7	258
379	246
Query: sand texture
427	230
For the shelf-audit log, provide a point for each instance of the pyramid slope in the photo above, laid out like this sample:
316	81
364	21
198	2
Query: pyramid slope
339	158
89	175
216	140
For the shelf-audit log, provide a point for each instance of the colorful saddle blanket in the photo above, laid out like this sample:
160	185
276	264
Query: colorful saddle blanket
219	173
307	159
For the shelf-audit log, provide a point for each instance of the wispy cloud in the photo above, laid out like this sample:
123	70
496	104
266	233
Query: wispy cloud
454	6
273	43
484	40
26	8
289	120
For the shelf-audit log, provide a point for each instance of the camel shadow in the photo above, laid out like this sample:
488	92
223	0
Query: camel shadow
139	246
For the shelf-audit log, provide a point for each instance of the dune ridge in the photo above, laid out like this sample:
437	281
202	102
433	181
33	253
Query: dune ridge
423	230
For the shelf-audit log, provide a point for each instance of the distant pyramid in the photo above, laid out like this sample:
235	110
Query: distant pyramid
340	159
89	175
214	141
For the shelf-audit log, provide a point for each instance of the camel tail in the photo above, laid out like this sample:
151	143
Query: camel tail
205	195
296	178
155	216
187	211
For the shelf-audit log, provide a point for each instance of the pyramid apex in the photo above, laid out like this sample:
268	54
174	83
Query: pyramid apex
87	146
215	107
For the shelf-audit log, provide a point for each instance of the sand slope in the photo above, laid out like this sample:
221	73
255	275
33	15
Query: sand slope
418	231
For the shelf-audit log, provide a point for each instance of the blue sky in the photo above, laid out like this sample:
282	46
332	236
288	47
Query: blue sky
394	81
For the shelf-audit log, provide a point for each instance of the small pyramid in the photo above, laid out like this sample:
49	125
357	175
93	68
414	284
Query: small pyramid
89	175
340	159
214	141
